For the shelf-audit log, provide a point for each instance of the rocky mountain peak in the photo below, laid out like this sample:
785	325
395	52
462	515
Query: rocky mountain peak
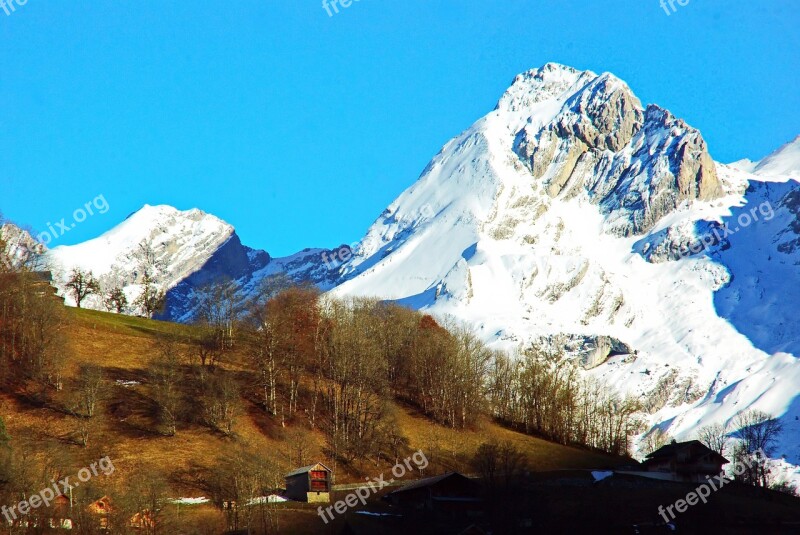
636	164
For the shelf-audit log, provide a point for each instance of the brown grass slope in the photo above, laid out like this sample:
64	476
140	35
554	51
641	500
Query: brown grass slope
126	430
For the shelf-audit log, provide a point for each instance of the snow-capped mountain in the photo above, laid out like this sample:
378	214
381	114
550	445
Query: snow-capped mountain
570	216
781	164
192	248
574	216
784	162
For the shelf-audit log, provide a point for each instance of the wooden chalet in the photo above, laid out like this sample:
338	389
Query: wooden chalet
685	461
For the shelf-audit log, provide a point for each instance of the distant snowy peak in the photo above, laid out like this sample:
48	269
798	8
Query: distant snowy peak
183	241
176	236
501	188
192	249
571	133
783	162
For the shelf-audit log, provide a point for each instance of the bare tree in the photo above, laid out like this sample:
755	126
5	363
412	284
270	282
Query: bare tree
284	324
81	284
512	463
85	428
222	403
758	433
90	389
655	439
143	503
758	430
241	480
166	378
714	436
115	300
487	462
219	307
152	298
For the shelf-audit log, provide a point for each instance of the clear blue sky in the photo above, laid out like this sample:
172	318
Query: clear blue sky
299	128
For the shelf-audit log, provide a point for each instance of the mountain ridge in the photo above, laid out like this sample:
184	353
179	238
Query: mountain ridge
572	217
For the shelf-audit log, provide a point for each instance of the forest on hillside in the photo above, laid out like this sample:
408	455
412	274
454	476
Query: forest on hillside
322	364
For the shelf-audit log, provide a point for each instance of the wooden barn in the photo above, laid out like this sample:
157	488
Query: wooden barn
310	484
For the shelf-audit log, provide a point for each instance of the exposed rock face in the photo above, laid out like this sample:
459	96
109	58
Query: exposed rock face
604	115
229	262
20	247
637	164
791	201
586	350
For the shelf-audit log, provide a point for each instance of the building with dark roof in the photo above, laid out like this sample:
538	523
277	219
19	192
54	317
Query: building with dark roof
685	461
445	494
310	484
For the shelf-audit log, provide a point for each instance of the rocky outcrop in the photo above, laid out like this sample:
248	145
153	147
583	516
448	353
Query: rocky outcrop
637	164
791	201
604	115
19	247
588	351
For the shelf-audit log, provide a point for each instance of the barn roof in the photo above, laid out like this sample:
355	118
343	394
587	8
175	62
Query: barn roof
429	481
306	469
672	449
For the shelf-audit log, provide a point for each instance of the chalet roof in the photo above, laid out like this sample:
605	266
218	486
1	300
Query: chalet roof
429	481
672	449
306	469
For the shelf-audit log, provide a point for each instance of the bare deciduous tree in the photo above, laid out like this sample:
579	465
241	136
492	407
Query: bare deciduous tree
656	439
166	378
487	462
81	284
714	436
222	403
758	434
152	298
219	308
115	300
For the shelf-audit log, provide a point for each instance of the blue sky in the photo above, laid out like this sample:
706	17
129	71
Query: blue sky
299	128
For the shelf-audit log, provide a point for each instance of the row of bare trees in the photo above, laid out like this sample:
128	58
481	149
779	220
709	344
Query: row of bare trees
82	284
338	361
32	342
551	399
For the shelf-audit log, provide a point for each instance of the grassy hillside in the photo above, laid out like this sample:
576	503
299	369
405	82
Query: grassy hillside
126	430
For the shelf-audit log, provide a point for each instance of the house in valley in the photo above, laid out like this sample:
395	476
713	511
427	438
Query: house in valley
689	461
446	494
